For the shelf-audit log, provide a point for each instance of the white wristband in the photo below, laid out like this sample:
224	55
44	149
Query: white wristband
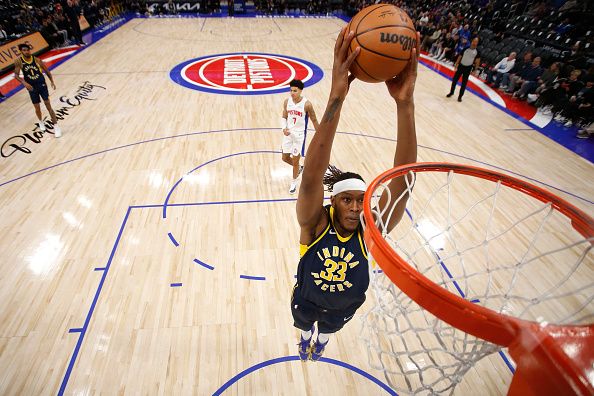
283	123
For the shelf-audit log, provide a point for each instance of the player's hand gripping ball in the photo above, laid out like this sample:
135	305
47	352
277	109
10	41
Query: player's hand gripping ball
386	35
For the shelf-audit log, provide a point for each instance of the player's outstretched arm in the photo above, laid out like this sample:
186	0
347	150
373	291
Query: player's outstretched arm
402	89
311	191
312	115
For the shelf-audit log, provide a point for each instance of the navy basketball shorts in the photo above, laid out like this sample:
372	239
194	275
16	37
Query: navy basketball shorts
39	90
305	314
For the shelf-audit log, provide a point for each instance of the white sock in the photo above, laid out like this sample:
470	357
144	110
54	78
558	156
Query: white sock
323	338
305	335
294	182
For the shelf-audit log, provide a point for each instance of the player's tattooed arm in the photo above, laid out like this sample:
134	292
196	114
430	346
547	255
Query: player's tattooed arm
312	114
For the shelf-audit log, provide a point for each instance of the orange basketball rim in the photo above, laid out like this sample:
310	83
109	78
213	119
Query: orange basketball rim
550	359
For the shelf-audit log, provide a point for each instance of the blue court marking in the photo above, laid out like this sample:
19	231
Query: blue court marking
270	362
175	243
202	263
245	201
344	18
501	353
304	135
176	76
75	330
499	168
176	284
92	308
249	277
447	271
166	203
99	269
134	144
359	134
509	364
218	33
279	28
84	329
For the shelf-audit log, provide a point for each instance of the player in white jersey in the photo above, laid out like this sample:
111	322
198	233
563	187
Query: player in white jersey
297	111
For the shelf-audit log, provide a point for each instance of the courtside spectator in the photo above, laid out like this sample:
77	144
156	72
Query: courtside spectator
503	66
545	82
530	74
518	67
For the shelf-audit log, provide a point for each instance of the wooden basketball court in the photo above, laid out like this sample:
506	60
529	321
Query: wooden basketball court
152	248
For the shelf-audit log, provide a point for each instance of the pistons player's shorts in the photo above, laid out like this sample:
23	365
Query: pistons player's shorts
293	144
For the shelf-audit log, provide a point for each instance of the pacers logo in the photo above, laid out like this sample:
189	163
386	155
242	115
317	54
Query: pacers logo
244	73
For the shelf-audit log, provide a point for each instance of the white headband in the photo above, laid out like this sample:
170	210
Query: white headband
348	185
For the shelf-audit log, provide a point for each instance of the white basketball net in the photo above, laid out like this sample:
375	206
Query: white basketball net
488	243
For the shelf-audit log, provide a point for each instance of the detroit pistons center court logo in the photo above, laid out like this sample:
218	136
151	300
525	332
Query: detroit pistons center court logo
244	73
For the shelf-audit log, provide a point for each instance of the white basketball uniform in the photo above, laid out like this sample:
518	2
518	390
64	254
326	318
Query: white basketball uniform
297	124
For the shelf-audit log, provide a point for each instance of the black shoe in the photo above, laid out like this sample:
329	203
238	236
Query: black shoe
583	134
449	95
460	99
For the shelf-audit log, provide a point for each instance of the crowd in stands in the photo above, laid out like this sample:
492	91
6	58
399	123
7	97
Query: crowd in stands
543	55
538	51
56	20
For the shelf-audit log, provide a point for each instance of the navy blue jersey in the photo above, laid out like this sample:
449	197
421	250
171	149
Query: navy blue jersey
32	72
333	272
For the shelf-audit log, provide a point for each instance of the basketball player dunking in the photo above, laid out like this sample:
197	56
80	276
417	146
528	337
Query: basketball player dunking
34	81
333	272
296	112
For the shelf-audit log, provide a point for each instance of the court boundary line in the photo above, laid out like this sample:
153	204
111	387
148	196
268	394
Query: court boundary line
129	16
82	331
84	328
284	359
359	134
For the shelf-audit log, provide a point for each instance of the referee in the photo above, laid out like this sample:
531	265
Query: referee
468	60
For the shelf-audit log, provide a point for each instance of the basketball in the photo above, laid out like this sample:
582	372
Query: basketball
386	35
